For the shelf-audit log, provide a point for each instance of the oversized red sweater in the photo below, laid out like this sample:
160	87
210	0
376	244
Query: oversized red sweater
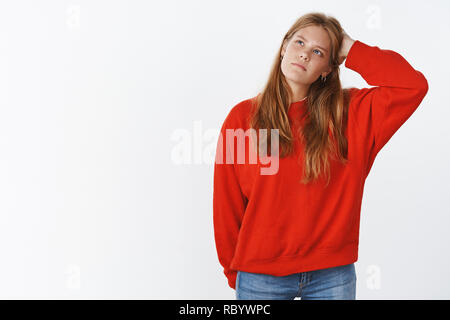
271	223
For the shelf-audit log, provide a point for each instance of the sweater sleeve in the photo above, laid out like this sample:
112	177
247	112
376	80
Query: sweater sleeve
229	202
381	110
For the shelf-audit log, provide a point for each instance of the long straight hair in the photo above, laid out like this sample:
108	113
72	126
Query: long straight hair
327	107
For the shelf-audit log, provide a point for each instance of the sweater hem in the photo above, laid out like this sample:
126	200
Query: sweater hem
315	260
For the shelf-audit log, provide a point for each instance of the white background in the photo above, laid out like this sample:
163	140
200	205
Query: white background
109	117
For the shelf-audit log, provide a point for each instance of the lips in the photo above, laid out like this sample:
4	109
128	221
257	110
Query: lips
300	66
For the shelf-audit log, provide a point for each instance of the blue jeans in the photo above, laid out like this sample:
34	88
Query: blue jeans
336	283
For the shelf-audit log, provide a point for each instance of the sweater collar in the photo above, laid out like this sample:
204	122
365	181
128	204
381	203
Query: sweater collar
297	106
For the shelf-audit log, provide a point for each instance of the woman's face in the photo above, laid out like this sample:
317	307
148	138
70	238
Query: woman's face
310	47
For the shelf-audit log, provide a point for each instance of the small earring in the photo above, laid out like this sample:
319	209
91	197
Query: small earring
324	79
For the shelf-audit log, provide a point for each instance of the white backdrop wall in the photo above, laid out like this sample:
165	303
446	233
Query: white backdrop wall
109	119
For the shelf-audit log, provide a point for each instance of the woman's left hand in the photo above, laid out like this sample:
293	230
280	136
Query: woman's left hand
347	43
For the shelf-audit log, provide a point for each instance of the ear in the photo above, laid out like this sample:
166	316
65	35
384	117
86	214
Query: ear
283	48
327	72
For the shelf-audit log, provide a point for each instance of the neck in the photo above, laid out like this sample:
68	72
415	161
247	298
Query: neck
299	91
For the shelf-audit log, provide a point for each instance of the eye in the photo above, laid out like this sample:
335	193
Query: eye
319	53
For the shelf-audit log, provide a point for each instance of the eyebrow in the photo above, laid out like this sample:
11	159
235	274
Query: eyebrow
299	36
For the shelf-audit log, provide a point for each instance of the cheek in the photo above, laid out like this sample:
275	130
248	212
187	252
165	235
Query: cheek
318	67
291	50
285	68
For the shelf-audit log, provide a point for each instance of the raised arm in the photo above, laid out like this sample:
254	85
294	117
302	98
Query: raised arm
381	110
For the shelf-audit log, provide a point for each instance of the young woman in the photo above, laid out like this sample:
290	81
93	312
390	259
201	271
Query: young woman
293	231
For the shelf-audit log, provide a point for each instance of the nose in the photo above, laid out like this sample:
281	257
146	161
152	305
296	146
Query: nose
304	56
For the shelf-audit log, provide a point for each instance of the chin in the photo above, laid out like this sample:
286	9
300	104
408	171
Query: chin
297	79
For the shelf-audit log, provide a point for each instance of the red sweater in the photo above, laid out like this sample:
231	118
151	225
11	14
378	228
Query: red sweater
270	223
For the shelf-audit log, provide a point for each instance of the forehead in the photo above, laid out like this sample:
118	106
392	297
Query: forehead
315	35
